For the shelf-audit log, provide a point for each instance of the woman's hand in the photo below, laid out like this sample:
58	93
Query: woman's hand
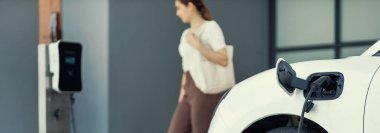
182	91
181	94
193	40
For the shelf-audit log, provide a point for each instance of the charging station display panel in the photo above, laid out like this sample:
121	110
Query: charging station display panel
70	66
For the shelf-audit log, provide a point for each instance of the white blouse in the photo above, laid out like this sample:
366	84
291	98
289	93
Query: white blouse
211	36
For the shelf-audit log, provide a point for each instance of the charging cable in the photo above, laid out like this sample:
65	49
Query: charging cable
308	104
318	84
72	113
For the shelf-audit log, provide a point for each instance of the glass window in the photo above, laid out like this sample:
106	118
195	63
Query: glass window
353	51
360	20
298	56
304	22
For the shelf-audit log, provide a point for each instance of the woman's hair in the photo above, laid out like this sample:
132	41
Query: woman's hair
201	7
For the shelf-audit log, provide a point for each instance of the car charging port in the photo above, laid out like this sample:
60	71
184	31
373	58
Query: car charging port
329	89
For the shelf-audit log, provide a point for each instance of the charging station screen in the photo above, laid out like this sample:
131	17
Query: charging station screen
70	60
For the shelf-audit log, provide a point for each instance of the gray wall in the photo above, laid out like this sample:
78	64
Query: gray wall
18	67
86	21
145	68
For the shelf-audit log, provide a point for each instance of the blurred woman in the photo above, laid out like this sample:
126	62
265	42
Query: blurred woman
202	40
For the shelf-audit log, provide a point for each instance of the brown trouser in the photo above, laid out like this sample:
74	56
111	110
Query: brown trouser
194	112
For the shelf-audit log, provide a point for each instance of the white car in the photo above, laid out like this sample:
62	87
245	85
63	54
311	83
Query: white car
345	94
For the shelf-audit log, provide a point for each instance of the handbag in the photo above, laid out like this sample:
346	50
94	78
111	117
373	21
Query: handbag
211	78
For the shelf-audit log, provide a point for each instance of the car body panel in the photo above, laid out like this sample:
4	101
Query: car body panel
372	108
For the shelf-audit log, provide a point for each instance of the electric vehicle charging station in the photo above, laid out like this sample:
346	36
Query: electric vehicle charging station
59	77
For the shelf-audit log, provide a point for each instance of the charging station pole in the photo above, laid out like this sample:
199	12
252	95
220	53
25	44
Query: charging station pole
54	109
